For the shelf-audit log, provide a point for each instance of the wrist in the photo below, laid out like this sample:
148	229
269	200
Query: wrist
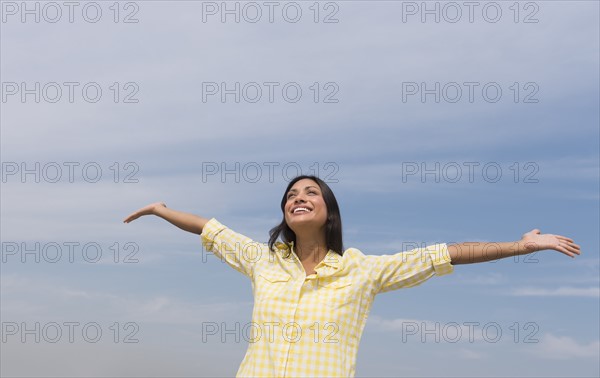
526	247
158	208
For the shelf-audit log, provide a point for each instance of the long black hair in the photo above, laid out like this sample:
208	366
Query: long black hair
333	225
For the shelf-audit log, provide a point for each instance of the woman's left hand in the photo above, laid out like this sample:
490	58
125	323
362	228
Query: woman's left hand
534	240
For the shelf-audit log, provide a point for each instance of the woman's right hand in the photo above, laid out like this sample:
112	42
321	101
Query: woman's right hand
146	210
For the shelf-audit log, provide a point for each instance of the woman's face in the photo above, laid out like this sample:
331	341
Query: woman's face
305	206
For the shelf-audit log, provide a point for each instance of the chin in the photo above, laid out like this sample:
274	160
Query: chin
303	223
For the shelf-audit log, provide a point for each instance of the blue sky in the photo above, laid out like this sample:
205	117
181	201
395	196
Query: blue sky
406	170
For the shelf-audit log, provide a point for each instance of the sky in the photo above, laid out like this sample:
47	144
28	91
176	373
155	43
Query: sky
433	122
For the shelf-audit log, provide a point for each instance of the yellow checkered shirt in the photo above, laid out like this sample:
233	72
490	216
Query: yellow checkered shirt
310	326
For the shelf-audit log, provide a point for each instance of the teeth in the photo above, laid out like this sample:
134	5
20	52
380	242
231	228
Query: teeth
301	209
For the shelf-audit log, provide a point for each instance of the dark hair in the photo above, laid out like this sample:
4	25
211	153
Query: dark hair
333	225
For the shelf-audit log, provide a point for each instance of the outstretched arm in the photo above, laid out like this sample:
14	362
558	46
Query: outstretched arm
534	240
187	222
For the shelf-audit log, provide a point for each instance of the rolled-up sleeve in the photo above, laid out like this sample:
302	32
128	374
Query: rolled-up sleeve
410	268
237	250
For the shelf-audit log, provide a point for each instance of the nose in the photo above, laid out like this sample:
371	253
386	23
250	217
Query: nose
299	198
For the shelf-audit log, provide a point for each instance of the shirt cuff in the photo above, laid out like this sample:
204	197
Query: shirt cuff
440	257
209	232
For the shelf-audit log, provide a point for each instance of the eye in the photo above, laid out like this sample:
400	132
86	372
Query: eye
290	195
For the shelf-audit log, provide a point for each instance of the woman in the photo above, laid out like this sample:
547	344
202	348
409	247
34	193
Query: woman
312	298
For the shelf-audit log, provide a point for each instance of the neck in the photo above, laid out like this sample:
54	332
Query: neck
311	247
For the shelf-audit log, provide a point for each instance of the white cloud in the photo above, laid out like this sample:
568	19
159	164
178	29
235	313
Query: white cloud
564	348
435	331
492	278
563	291
469	354
57	300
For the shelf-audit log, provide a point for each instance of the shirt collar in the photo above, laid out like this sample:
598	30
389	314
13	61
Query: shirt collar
331	259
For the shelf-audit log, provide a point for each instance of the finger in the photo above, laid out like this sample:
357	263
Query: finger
534	231
564	251
565	238
569	243
131	217
573	249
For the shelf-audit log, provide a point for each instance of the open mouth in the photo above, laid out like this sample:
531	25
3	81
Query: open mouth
301	210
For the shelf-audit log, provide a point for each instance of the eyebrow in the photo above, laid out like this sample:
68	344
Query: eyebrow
306	187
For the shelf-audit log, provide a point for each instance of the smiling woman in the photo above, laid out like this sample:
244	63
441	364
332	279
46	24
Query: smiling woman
309	201
311	297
